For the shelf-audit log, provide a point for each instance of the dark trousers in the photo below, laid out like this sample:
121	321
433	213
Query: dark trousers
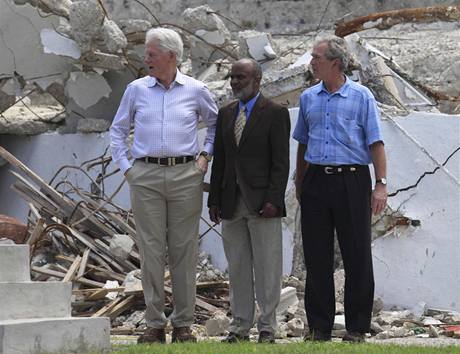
339	201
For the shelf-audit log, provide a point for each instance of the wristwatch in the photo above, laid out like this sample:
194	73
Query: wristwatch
206	156
382	180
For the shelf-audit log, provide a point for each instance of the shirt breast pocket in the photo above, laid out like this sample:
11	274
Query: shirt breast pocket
347	128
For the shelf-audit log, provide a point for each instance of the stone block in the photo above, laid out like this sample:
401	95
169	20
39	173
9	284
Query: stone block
55	335
34	300
14	263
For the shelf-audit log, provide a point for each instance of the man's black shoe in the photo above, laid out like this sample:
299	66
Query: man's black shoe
317	335
235	338
353	337
266	337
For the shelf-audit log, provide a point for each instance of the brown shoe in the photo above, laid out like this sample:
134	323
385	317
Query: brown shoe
182	334
354	337
152	335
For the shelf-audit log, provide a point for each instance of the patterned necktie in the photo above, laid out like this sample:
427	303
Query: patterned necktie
239	124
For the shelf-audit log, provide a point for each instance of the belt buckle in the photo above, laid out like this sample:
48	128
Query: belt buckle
329	170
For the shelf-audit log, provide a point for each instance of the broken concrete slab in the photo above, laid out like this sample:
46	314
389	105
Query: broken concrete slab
113	37
87	88
86	18
256	45
55	43
26	57
57	7
209	34
92	125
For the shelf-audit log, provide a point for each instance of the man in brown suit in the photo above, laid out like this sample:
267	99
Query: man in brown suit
248	182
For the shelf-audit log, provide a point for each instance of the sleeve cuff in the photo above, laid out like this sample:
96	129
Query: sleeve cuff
125	165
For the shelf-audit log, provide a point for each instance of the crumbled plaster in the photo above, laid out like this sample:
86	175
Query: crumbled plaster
86	89
55	43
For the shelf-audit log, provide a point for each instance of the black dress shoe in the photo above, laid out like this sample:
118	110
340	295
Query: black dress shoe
354	337
235	338
317	336
266	337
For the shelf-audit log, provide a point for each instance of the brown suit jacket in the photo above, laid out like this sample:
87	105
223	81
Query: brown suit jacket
260	163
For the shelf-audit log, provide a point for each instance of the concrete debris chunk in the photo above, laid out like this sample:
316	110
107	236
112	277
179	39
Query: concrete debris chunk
86	89
98	59
86	18
339	322
288	298
217	325
121	245
55	43
295	327
57	7
92	125
113	37
205	25
129	26
257	45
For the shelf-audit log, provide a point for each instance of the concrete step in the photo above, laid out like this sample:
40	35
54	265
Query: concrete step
14	263
35	300
55	335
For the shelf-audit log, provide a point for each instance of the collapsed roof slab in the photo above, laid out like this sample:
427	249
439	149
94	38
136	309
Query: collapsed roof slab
20	45
421	263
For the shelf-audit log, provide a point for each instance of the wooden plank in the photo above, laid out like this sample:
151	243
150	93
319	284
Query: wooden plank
199	302
72	270
122	306
110	274
57	274
102	311
36	233
84	262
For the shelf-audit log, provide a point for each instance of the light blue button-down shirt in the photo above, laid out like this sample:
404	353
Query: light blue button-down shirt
338	128
165	121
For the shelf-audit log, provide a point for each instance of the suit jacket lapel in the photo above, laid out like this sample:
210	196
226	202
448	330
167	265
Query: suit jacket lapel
254	118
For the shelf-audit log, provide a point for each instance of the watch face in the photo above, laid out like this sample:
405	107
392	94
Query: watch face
382	180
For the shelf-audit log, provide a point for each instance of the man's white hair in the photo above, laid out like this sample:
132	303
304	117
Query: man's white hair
167	39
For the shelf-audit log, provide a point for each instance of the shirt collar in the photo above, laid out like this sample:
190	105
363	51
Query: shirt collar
250	104
343	91
180	79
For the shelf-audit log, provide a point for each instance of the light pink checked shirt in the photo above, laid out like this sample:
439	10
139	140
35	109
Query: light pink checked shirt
165	121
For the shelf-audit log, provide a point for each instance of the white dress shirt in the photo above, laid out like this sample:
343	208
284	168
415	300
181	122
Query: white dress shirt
165	120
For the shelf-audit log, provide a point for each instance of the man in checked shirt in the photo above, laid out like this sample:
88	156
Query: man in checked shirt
165	178
339	135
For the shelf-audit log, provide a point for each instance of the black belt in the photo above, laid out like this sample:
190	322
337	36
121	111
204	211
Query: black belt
166	161
332	170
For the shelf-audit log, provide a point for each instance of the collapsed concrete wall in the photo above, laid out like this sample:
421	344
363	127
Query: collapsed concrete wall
272	15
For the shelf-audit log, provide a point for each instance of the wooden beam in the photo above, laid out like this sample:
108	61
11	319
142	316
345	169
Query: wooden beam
387	19
72	270
57	274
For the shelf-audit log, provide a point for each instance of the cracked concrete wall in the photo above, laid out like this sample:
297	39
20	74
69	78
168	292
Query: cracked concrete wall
25	56
421	264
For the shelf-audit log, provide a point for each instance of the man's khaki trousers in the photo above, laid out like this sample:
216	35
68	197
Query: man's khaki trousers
166	203
253	247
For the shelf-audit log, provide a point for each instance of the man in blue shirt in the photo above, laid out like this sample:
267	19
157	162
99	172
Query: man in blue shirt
248	182
339	135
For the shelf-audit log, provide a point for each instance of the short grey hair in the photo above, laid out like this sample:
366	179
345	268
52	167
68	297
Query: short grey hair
337	48
168	39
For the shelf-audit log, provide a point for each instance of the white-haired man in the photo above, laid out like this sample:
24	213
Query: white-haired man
166	177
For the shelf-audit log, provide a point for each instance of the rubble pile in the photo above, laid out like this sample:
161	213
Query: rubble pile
82	237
